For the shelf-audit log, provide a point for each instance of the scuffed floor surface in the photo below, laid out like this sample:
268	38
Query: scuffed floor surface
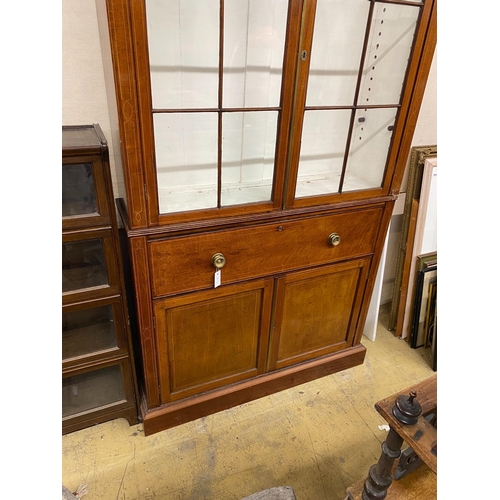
318	438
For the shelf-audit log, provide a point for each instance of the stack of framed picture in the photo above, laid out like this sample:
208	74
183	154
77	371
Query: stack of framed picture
414	305
424	305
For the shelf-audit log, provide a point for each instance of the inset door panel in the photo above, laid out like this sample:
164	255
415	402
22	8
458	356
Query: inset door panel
210	339
92	330
89	268
316	312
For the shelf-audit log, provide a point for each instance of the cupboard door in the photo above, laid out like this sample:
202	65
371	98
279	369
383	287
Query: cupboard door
316	312
211	339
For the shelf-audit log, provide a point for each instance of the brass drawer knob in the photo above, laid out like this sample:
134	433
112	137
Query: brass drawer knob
218	260
334	239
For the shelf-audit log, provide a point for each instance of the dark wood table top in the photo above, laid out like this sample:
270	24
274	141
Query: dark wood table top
422	436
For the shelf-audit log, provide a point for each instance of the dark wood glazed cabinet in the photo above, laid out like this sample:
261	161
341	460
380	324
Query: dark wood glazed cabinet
269	138
98	375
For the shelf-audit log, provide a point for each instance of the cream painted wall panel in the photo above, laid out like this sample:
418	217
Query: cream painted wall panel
425	135
84	97
426	129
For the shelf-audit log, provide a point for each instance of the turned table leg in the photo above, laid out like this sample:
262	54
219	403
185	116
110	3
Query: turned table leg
406	410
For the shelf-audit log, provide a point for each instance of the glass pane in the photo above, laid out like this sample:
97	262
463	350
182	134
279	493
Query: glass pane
248	147
78	192
88	331
389	46
370	142
183	37
254	41
83	265
339	32
92	390
324	137
186	160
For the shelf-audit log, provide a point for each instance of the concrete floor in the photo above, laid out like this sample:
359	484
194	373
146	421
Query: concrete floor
318	438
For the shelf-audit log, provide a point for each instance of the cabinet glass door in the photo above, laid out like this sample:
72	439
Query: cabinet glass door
89	269
358	62
78	191
83	265
216	75
84	200
101	387
92	330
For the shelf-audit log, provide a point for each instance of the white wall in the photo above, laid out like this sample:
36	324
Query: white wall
84	94
84	101
425	135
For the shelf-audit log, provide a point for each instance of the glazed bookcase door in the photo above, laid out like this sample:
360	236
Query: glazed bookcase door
93	392
93	331
89	267
216	120
84	201
350	87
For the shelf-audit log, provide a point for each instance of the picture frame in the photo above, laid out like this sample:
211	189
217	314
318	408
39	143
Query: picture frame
427	276
426	260
433	340
430	314
401	289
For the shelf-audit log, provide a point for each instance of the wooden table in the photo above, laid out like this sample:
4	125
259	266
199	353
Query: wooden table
420	435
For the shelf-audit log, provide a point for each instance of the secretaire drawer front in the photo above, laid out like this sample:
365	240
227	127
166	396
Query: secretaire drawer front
185	263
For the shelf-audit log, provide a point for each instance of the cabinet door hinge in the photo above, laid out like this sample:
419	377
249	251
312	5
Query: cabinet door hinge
145	191
154	323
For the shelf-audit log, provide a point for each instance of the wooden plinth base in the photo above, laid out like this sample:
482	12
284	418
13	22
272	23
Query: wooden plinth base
180	412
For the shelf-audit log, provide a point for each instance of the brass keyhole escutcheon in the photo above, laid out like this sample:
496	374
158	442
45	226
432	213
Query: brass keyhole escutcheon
303	55
334	239
218	260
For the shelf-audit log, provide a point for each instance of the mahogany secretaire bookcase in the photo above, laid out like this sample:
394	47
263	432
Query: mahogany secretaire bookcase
263	144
